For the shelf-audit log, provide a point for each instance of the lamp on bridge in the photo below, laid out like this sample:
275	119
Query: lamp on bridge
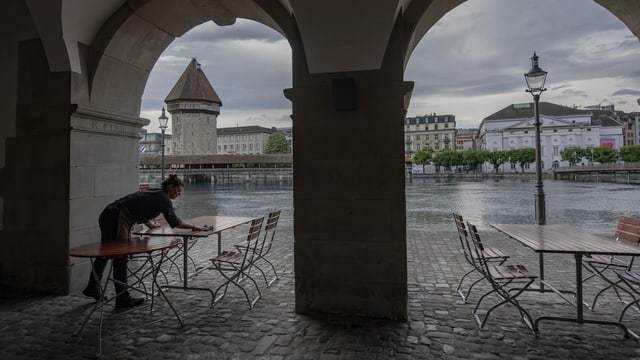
164	120
535	79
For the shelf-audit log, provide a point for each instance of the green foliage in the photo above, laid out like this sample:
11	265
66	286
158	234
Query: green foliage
423	157
447	159
630	153
497	158
473	158
522	156
604	154
572	154
277	144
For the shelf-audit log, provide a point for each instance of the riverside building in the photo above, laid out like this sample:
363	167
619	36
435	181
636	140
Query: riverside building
430	131
513	128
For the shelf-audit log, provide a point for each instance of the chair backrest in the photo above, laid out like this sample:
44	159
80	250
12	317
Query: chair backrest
462	230
479	258
252	240
628	229
270	230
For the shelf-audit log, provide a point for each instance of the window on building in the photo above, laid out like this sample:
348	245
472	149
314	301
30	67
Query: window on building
435	126
446	126
556	151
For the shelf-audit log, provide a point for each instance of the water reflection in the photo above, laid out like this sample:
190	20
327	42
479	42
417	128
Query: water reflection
592	206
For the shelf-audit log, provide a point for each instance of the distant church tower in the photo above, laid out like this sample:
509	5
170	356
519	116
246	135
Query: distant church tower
194	107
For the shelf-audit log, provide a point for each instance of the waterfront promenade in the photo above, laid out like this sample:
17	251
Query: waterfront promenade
440	326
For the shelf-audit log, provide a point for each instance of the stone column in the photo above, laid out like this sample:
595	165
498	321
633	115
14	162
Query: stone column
349	198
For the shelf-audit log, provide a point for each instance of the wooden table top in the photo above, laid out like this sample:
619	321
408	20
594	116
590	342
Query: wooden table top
113	249
219	223
565	239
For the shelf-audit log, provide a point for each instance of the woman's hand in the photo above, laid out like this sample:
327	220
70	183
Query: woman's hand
152	225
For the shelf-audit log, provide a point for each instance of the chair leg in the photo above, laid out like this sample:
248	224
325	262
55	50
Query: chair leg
234	280
627	307
466	297
274	271
458	288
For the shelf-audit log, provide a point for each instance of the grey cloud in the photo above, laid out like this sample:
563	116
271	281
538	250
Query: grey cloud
626	92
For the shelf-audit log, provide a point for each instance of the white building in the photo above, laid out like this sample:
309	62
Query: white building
513	128
243	139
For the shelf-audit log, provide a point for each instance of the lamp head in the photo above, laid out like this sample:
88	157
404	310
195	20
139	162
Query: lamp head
163	119
536	77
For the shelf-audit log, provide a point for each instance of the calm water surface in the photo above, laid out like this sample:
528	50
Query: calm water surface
592	206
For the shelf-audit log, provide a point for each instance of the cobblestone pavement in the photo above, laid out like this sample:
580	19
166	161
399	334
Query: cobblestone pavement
440	325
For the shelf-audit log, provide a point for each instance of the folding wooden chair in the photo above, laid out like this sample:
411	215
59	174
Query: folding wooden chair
628	229
269	234
234	265
507	282
492	255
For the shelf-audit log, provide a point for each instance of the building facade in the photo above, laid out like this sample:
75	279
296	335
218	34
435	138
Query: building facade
194	107
151	143
513	128
429	131
243	139
466	139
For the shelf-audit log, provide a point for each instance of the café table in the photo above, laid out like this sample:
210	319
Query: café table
218	224
565	239
146	246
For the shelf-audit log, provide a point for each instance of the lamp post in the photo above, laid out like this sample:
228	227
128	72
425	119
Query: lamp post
535	79
163	119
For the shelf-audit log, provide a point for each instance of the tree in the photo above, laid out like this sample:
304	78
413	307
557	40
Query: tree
604	154
473	158
423	157
277	144
630	153
572	154
497	158
447	159
522	156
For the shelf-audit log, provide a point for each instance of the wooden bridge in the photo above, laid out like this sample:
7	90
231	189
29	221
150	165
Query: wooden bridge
218	168
619	172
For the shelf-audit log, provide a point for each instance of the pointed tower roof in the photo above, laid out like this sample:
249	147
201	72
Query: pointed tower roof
193	85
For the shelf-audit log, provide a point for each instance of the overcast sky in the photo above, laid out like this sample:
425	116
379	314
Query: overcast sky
470	64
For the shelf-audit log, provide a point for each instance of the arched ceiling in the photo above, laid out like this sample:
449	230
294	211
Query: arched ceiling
338	35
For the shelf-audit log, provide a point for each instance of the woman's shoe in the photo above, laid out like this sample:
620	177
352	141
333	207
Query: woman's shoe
92	292
127	302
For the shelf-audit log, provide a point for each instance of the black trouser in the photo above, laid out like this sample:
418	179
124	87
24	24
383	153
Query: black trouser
114	225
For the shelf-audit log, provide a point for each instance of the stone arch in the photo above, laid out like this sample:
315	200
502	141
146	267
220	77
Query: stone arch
131	41
86	123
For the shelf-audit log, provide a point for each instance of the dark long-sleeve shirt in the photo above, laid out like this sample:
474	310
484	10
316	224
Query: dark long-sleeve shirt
145	205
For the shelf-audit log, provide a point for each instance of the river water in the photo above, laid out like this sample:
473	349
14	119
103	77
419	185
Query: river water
589	205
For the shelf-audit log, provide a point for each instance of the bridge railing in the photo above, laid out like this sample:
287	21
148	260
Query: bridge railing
600	167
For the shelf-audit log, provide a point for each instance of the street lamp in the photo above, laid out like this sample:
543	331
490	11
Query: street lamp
163	119
535	79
